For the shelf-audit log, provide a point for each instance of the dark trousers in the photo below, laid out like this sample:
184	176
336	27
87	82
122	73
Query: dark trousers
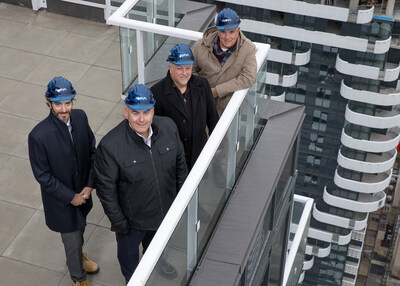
73	242
128	249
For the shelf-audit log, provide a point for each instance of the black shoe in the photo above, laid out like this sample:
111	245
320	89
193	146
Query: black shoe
166	270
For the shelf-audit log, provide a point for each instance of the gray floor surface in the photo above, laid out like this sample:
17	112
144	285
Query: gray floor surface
35	47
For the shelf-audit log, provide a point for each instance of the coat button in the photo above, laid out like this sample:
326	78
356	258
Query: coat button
134	161
184	120
167	148
185	139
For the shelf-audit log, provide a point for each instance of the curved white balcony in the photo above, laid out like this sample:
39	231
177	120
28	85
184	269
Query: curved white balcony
297	59
382	118
356	70
302	59
318	251
285	81
280	98
382	46
365	71
374	163
365	16
390	74
328	236
358	222
370	183
365	202
308	264
377	143
389	97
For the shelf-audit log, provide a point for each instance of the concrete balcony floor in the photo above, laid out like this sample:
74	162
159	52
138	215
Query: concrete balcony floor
35	47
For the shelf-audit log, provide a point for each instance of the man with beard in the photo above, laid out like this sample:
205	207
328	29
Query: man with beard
61	153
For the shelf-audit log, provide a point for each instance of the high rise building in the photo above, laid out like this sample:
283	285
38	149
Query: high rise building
341	60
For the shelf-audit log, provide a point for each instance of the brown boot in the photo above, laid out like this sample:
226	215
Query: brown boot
83	283
89	266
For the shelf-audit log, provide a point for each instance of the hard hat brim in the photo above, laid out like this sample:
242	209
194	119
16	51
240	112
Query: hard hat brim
61	98
183	63
140	106
228	27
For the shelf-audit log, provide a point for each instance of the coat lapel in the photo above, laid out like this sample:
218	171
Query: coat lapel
173	99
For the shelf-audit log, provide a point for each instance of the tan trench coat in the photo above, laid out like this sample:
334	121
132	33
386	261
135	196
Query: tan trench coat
238	72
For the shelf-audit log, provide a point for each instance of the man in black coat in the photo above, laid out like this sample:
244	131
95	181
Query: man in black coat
61	153
187	99
139	168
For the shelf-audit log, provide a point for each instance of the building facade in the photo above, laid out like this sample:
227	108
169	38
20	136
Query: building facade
341	60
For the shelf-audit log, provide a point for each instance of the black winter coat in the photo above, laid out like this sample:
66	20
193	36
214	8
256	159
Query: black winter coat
63	168
137	183
192	132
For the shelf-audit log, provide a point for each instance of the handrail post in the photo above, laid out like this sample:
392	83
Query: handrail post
193	226
140	56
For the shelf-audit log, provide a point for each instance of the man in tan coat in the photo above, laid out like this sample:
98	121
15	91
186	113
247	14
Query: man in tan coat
226	58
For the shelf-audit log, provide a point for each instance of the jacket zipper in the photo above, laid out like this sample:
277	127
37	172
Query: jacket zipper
158	185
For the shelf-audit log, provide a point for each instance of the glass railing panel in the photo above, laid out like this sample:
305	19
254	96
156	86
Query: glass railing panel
129	64
214	189
176	254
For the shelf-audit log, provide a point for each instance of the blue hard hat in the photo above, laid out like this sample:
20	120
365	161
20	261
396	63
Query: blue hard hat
60	89
227	19
181	55
140	98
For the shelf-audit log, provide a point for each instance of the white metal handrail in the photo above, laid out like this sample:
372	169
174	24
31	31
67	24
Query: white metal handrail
301	228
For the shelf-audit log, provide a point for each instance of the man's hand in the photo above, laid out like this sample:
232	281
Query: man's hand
78	200
86	192
121	227
214	92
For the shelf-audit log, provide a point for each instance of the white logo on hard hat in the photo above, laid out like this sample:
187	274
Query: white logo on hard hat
61	89
141	98
183	55
225	20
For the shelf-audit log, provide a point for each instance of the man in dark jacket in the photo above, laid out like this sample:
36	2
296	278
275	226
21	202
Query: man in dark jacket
61	153
139	168
187	99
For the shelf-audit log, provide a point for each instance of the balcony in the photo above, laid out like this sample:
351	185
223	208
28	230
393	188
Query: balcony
308	264
298	34
349	200
365	71
348	281
362	138
366	162
354	251
318	251
341	11
362	183
297	59
351	267
343	218
328	236
381	118
387	96
281	80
